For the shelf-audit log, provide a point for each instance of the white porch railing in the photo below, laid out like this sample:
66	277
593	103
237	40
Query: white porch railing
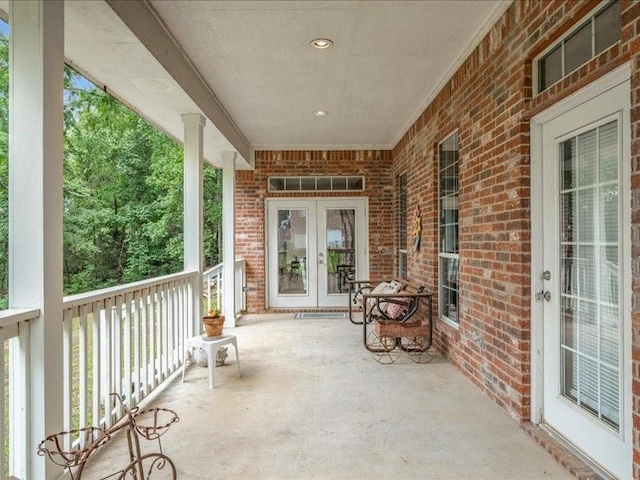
125	339
212	288
14	365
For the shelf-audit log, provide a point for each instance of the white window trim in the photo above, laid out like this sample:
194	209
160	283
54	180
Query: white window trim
452	323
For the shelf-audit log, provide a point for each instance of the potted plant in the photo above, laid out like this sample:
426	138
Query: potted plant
213	323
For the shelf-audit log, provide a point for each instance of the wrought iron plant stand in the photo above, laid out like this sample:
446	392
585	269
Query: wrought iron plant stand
149	424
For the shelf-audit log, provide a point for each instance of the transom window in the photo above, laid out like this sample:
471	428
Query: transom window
592	37
315	184
448	207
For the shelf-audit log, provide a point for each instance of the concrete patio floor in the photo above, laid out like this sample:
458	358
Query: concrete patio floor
312	404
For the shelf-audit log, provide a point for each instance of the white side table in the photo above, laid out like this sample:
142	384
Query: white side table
211	345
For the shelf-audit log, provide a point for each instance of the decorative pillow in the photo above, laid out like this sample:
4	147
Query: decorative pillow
390	288
395	310
380	288
365	290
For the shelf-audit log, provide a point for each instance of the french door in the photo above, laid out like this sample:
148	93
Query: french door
314	247
585	280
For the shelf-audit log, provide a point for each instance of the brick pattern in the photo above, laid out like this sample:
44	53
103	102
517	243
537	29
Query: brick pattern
489	102
251	193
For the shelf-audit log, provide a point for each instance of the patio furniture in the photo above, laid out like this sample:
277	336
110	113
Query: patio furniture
393	323
148	424
211	345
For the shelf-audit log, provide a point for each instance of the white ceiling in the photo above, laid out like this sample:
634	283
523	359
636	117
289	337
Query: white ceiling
387	59
247	65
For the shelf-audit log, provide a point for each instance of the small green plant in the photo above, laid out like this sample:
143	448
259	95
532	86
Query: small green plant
214	312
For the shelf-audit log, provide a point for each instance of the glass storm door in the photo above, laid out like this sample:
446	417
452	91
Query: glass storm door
314	247
586	317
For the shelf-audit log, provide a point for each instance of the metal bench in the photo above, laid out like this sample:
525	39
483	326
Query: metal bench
394	322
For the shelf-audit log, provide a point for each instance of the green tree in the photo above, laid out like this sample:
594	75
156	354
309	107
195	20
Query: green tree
212	231
123	194
123	198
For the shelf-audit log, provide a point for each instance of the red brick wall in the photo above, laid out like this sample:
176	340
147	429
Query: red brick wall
489	103
251	192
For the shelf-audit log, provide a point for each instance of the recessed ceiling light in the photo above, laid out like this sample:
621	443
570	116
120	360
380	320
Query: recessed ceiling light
320	113
321	43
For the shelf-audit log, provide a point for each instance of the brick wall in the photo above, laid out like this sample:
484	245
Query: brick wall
251	193
489	102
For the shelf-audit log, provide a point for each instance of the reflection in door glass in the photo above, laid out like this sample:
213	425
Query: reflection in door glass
341	254
292	251
590	310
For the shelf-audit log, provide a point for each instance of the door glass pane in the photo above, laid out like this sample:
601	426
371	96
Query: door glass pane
341	253
587	158
292	251
570	329
608	152
590	316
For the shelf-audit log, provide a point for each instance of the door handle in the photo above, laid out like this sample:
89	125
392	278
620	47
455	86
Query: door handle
544	294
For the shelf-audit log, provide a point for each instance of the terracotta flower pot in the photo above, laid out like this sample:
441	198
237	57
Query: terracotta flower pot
213	326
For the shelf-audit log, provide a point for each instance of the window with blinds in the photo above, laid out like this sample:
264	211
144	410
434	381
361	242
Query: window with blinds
589	263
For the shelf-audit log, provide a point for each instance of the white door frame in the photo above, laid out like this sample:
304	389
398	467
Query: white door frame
601	85
363	234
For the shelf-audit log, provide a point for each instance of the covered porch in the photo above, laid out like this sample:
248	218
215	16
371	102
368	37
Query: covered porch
440	155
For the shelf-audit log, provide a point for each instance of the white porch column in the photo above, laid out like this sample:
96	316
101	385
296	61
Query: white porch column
35	209
193	208
228	237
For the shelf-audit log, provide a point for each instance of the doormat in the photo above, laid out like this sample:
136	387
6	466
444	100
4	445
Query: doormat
312	315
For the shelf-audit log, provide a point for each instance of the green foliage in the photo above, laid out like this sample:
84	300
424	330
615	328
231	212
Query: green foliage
212	230
122	194
123	198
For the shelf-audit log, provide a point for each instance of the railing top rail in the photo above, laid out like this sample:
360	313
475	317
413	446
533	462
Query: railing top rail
97	295
219	266
12	316
209	271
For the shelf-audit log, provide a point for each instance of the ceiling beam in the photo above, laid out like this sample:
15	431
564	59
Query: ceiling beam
146	25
